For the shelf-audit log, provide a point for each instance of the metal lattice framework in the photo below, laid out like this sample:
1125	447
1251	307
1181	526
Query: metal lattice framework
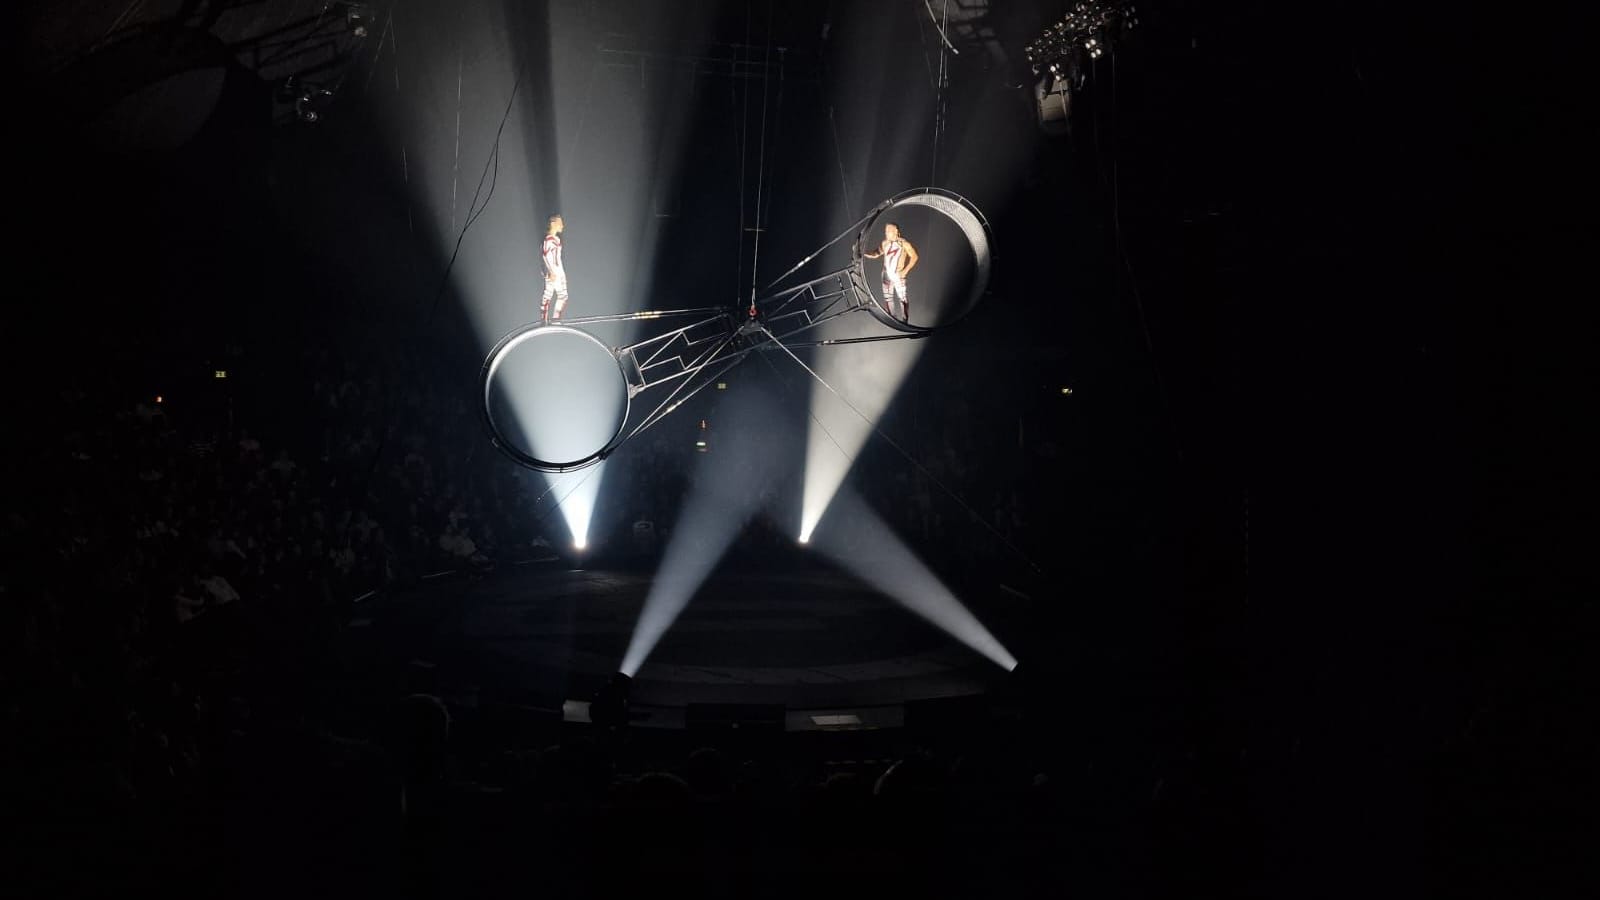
687	359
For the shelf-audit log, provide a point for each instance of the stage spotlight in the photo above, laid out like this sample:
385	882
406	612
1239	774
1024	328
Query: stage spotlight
310	100
1085	27
358	18
609	707
1056	55
860	541
1052	98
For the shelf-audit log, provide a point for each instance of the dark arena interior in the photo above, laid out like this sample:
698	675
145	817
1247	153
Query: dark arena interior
773	448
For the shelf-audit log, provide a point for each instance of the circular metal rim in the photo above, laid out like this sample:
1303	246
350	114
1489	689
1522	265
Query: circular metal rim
486	376
983	256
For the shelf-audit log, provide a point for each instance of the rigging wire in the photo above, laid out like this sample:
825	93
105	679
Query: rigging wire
1126	264
761	157
377	56
744	132
474	211
833	127
777	134
942	29
809	411
939	110
455	171
844	183
583	111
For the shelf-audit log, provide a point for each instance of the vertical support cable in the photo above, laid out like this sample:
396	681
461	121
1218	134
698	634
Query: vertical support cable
761	163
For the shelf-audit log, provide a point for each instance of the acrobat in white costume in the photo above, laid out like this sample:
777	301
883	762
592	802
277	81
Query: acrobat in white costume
899	256
555	277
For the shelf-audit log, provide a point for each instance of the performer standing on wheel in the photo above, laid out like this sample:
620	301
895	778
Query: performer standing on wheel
898	259
555	277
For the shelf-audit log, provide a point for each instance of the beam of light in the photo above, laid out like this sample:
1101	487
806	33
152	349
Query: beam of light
508	112
860	541
556	395
885	147
726	492
576	492
868	375
596	135
855	383
475	94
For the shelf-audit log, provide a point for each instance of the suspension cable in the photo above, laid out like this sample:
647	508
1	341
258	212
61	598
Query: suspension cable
938	95
761	157
744	130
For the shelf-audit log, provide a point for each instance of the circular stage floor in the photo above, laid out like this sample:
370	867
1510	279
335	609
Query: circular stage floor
806	640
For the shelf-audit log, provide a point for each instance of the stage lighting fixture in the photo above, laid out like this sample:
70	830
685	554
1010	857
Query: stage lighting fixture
309	106
1057	54
1052	97
357	17
220	373
609	706
1086	28
309	99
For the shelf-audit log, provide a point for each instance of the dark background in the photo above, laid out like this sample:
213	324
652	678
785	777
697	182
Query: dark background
1300	543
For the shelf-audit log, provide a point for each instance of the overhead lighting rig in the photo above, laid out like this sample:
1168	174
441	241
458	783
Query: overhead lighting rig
1056	56
1086	30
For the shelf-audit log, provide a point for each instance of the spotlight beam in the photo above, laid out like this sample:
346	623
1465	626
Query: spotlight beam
873	379
720	502
578	503
860	541
809	521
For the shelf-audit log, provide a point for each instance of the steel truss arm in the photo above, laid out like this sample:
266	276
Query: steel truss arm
646	314
660	359
692	356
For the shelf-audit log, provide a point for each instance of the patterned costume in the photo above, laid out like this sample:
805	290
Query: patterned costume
555	278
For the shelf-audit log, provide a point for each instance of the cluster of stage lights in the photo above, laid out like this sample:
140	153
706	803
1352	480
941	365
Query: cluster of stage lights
1085	29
